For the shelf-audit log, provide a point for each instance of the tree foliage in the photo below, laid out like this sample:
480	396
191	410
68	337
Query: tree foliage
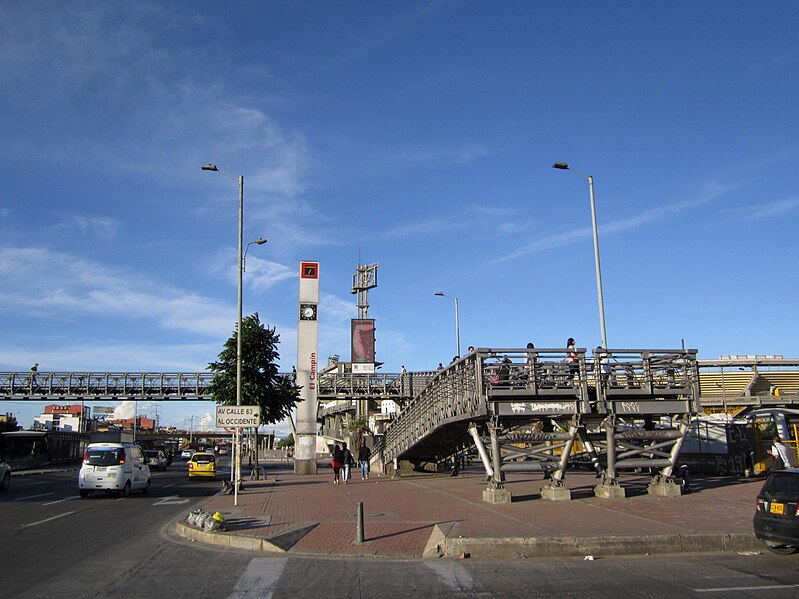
261	384
287	442
8	424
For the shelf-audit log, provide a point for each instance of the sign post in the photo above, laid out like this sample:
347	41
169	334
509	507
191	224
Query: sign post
237	417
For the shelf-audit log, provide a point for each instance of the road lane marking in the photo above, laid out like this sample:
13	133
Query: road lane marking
171	500
169	485
454	576
47	520
760	588
260	578
62	500
33	496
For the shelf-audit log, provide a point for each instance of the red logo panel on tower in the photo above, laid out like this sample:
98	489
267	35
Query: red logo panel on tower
309	270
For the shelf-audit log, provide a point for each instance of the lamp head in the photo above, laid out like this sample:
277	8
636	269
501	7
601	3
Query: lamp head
561	165
209	167
260	241
441	293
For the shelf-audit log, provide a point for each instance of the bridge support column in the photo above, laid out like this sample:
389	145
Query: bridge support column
496	491
608	487
664	486
555	490
481	450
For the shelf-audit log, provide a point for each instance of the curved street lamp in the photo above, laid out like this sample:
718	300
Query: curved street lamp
457	323
590	179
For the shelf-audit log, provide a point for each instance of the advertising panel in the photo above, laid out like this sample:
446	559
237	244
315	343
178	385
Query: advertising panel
363	341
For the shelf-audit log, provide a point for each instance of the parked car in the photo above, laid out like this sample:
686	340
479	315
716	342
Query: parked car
776	518
186	454
119	467
5	475
202	463
156	459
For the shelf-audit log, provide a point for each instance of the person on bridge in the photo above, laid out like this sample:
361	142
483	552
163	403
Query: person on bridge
571	358
364	453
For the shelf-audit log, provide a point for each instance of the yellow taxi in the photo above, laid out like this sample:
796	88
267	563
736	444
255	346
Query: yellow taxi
202	463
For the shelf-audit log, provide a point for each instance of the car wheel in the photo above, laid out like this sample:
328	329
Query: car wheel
125	490
146	489
84	493
6	482
779	548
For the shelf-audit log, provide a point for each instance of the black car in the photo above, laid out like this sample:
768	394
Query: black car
776	518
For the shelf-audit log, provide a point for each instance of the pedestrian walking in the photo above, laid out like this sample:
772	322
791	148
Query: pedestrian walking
336	463
347	462
364	453
571	358
34	370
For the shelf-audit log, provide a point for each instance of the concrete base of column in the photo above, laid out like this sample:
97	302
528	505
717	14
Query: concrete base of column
609	491
664	488
496	495
304	466
556	493
408	467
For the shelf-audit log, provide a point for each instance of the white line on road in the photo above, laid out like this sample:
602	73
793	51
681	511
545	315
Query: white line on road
260	578
32	496
454	576
169	485
762	588
171	500
47	520
62	500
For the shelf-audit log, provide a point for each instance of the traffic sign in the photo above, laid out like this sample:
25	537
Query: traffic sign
237	416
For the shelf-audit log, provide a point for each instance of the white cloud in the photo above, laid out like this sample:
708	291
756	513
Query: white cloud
335	309
765	210
67	285
105	228
711	192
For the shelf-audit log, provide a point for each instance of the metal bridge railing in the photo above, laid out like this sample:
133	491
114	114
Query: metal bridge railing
453	394
106	385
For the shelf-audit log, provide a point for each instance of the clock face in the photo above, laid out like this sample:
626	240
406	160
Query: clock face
307	311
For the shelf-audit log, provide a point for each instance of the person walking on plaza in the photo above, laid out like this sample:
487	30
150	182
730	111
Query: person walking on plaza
336	463
364	453
779	453
347	462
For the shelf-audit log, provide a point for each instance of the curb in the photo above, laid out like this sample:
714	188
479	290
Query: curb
440	544
514	547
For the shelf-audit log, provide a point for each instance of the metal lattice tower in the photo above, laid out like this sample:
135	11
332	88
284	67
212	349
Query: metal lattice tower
364	279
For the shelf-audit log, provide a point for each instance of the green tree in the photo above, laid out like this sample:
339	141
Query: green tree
9	423
261	384
287	442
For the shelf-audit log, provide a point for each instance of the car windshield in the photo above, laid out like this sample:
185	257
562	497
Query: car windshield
151	454
104	457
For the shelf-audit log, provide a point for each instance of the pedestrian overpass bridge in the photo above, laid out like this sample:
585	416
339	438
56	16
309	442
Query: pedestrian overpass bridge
523	409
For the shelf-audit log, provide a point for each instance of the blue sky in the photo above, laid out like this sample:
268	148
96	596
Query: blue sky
419	135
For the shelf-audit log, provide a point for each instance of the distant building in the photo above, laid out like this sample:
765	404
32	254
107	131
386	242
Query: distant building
142	423
72	418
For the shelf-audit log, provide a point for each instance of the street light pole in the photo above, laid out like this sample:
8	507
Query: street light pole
240	269
457	321
600	298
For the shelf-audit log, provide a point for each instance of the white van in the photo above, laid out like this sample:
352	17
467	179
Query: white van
119	467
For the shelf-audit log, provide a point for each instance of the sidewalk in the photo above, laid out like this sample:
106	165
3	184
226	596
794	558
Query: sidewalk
430	515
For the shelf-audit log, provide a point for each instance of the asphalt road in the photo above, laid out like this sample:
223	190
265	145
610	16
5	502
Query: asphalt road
55	545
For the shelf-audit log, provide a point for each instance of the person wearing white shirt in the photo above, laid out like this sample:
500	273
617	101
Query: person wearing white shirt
779	452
